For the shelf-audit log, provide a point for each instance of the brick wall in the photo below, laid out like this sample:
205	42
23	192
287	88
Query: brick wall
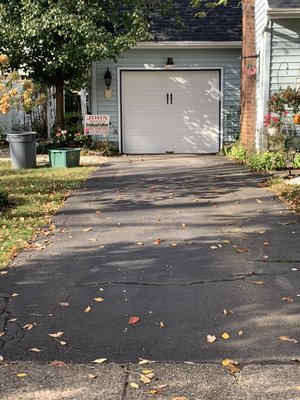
248	83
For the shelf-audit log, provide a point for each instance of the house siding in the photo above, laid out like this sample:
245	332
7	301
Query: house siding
228	59
285	54
263	61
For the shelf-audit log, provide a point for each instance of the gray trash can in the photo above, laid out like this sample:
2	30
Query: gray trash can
22	148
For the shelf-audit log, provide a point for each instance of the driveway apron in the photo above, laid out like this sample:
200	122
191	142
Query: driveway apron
191	245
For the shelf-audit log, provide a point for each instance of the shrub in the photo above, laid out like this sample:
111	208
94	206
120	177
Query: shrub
266	161
237	151
73	123
297	160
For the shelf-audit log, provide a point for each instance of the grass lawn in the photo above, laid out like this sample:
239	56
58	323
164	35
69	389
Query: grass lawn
34	196
286	192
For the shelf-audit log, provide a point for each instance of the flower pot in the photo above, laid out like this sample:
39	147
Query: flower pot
273	130
296	119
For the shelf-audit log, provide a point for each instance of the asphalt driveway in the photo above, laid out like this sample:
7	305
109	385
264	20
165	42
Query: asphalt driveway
192	245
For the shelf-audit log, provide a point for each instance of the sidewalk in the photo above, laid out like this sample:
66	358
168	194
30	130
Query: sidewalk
193	246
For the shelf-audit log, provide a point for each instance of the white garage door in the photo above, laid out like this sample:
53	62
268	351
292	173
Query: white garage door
170	111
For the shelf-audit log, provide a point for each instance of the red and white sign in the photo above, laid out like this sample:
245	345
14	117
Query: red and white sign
96	125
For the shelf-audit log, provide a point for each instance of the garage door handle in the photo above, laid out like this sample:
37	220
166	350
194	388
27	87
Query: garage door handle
167	98
171	97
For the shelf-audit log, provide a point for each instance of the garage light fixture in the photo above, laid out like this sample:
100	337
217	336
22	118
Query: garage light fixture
107	80
170	62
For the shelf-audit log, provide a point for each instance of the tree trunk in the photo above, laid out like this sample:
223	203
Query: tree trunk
59	86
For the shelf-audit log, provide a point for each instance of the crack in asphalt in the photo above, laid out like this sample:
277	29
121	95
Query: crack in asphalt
234	278
6	320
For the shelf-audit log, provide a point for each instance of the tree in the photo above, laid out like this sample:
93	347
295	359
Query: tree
207	6
56	41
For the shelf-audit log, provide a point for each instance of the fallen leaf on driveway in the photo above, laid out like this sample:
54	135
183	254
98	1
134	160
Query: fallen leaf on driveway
143	361
3	272
2	333
231	365
64	304
86	229
1	358
162	324
61	342
56	335
100	360
243	250
92	376
140	243
180	398
88	309
134	385
266	243
259	201
144	379
134	320
287	299
227	312
14	295
287	339
211	338
183	225
35	350
99	299
214	247
173	244
240	333
57	364
29	326
225	336
157	241
93	239
21	375
259	283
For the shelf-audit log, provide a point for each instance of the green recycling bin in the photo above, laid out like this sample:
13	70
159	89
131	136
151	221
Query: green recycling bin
64	158
22	149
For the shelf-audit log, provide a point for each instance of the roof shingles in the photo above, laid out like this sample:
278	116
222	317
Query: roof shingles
284	3
221	24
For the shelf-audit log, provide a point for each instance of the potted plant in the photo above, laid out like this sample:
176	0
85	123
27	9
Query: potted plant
292	98
272	123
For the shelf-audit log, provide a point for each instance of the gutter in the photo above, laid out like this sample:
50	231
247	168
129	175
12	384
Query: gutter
284	12
189	45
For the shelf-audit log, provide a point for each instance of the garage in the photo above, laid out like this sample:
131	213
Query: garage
170	111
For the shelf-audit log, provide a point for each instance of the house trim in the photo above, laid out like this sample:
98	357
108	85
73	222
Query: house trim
284	13
119	89
188	45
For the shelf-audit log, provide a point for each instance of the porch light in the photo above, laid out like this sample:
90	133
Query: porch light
170	62
107	78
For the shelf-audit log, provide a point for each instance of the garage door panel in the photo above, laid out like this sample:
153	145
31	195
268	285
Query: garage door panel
146	144
155	122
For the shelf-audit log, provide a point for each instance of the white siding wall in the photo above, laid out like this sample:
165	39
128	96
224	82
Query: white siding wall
261	40
285	54
229	59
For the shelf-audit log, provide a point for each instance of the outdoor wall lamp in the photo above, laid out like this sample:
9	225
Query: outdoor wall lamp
170	62
107	80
